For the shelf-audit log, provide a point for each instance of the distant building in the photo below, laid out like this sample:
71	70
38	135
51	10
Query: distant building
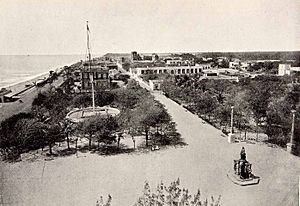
234	65
238	65
178	61
173	62
147	58
155	57
135	56
284	69
173	70
211	73
287	69
244	66
100	74
111	65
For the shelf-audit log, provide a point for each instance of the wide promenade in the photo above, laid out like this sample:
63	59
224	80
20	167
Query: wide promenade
203	164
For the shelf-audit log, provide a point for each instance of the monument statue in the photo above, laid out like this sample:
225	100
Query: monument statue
242	167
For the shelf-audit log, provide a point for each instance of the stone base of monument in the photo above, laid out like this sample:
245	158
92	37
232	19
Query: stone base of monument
231	138
291	148
236	179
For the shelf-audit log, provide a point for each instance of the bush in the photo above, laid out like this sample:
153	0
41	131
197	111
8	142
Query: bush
168	195
173	195
100	202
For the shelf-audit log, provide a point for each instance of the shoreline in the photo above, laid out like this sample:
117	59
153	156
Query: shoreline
30	78
19	86
27	94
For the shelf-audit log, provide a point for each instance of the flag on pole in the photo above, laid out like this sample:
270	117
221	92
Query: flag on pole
87	27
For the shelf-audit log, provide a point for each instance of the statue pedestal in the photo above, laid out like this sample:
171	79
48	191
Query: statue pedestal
253	180
231	138
242	173
291	148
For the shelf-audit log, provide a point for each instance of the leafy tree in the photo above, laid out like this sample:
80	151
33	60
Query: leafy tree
206	104
264	88
219	88
82	100
99	128
106	126
12	135
128	98
36	132
52	133
147	77
242	112
68	129
170	89
293	96
88	128
55	102
222	113
132	84
124	77
278	121
150	114
103	98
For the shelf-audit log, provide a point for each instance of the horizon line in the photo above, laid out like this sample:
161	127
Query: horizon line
160	52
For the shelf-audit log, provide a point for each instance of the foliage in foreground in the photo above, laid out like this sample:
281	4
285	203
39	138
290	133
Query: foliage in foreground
172	195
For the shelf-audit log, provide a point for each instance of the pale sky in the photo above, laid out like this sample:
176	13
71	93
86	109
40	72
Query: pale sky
59	26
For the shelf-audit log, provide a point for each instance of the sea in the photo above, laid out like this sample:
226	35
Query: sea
19	68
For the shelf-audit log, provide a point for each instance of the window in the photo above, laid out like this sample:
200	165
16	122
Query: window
172	71
165	71
142	71
187	71
192	71
183	71
159	71
179	71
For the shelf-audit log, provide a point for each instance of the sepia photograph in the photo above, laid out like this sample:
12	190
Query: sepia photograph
149	102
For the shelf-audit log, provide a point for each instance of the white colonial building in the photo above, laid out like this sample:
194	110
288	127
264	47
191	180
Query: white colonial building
176	70
287	69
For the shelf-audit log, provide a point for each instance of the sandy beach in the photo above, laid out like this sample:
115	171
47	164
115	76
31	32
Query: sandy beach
8	109
19	86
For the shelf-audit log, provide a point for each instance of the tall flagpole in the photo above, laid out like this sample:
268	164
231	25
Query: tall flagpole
90	66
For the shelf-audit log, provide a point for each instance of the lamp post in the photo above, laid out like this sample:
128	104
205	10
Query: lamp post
231	120
290	147
231	136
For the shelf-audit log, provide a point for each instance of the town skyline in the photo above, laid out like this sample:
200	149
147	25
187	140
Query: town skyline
35	27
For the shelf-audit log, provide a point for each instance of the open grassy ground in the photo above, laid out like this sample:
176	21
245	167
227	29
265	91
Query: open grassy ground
203	164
